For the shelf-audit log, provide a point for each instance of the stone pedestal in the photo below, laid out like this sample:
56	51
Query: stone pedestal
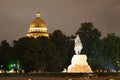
79	65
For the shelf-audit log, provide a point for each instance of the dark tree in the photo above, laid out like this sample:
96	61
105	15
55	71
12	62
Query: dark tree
110	52
37	54
5	54
90	38
64	46
89	35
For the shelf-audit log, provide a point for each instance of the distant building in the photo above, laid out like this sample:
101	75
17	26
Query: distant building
37	28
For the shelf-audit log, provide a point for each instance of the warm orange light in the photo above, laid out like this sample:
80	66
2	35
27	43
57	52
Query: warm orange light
29	79
37	28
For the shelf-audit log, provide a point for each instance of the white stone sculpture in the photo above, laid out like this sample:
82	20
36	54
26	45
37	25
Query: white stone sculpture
78	45
79	62
79	65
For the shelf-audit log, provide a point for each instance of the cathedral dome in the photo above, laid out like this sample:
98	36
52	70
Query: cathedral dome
38	22
37	28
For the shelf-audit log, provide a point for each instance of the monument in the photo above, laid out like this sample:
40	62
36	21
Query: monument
79	61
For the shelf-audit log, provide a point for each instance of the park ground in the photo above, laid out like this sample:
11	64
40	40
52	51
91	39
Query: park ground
57	78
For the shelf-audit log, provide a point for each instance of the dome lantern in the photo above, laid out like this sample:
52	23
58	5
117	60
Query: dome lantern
38	15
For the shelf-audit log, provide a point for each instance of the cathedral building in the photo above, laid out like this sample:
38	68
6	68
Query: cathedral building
37	27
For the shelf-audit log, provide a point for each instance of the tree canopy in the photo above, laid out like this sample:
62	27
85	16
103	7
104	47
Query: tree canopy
53	54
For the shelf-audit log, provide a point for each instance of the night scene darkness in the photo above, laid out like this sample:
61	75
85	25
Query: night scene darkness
66	15
48	39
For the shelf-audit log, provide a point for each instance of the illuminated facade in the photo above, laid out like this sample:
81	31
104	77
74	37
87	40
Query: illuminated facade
37	28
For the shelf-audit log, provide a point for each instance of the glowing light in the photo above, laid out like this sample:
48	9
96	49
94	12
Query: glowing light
79	65
29	79
37	28
1	66
38	14
41	29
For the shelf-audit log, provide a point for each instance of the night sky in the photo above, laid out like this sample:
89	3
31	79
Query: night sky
66	15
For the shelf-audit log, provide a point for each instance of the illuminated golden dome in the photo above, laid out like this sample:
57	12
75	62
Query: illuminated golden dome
37	28
38	22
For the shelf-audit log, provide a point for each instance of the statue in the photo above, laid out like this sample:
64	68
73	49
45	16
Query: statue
78	45
79	62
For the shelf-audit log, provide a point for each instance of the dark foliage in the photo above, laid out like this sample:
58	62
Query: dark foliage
53	54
